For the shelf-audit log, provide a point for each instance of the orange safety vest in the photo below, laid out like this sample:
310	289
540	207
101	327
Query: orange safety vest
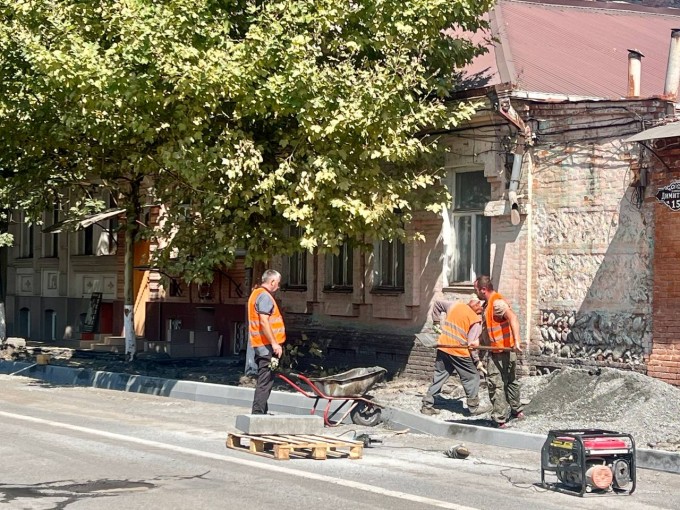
500	334
455	327
257	337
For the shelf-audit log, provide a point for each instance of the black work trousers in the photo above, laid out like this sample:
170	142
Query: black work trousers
265	380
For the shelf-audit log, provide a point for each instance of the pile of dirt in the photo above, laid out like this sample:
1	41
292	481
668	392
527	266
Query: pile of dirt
606	398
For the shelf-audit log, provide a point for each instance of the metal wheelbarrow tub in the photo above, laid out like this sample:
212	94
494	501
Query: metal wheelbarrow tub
348	388
353	383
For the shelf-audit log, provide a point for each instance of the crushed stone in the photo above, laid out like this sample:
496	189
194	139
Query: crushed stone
570	398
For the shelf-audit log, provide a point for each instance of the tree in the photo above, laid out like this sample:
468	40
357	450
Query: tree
240	117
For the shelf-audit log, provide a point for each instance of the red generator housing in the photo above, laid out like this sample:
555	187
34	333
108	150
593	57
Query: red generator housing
589	461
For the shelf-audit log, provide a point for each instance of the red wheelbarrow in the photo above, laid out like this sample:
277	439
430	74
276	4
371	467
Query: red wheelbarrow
348	388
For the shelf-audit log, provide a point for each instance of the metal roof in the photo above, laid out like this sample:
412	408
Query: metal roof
575	48
666	131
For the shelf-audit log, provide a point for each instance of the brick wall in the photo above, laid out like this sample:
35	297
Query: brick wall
664	361
592	243
580	254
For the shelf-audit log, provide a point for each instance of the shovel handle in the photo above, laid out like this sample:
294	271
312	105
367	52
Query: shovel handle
479	348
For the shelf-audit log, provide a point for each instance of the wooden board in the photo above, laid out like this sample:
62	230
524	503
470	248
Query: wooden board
283	447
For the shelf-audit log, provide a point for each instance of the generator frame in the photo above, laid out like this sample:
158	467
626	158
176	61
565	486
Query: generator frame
579	436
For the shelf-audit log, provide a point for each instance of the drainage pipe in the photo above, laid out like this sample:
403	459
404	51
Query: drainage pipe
514	185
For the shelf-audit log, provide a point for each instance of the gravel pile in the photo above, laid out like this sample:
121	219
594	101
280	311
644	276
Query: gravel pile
609	399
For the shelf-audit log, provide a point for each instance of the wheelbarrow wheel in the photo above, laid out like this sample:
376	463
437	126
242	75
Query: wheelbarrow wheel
366	414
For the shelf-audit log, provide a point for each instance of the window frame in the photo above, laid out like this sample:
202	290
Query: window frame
295	264
344	263
396	249
452	256
26	238
50	240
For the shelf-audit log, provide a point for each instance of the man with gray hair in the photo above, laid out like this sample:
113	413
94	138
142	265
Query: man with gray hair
266	335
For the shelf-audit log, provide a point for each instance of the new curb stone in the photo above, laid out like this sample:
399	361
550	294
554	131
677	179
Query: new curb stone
293	403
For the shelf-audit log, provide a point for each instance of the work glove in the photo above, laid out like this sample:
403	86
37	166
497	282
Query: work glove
274	363
480	367
436	329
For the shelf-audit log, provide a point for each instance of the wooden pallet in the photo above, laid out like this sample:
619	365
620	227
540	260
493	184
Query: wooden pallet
283	447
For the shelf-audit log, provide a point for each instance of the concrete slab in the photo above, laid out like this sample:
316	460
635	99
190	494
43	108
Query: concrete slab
267	424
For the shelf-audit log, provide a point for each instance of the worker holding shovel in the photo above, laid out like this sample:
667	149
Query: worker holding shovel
502	329
460	331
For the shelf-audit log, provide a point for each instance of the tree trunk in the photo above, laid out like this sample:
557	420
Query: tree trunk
3	323
129	303
131	229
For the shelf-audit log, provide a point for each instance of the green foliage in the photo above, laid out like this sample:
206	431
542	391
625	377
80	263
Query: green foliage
241	117
297	351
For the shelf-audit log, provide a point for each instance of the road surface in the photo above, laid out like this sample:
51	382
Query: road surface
81	448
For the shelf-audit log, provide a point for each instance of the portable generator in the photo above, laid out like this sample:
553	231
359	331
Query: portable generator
589	461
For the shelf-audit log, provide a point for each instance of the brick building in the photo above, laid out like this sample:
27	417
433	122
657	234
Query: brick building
663	201
579	265
547	197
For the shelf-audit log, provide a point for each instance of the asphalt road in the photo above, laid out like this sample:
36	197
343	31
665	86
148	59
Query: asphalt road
83	448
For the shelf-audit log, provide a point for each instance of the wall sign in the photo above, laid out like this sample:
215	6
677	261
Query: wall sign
670	195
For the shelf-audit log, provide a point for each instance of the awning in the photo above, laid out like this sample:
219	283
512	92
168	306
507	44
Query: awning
73	224
665	131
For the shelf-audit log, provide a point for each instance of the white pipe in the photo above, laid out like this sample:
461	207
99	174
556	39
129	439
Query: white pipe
512	191
634	72
673	68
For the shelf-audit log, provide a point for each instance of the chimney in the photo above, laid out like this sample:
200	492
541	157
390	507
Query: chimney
670	89
634	72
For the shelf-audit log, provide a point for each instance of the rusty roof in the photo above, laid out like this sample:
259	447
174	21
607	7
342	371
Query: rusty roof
574	47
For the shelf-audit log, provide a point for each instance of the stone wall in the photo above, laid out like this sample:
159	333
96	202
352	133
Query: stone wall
592	242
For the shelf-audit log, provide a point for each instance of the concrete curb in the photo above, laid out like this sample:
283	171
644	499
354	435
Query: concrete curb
295	403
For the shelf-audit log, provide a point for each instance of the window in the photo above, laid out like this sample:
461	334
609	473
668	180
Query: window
99	238
25	238
389	265
50	241
295	265
469	250
339	269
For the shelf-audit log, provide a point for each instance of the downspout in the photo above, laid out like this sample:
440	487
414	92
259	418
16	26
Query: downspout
506	110
514	184
530	252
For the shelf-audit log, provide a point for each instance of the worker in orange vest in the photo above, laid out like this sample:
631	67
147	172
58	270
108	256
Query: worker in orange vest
460	330
266	334
502	330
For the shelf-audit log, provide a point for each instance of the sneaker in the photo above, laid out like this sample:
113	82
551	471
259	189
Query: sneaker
476	411
429	410
499	425
518	416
